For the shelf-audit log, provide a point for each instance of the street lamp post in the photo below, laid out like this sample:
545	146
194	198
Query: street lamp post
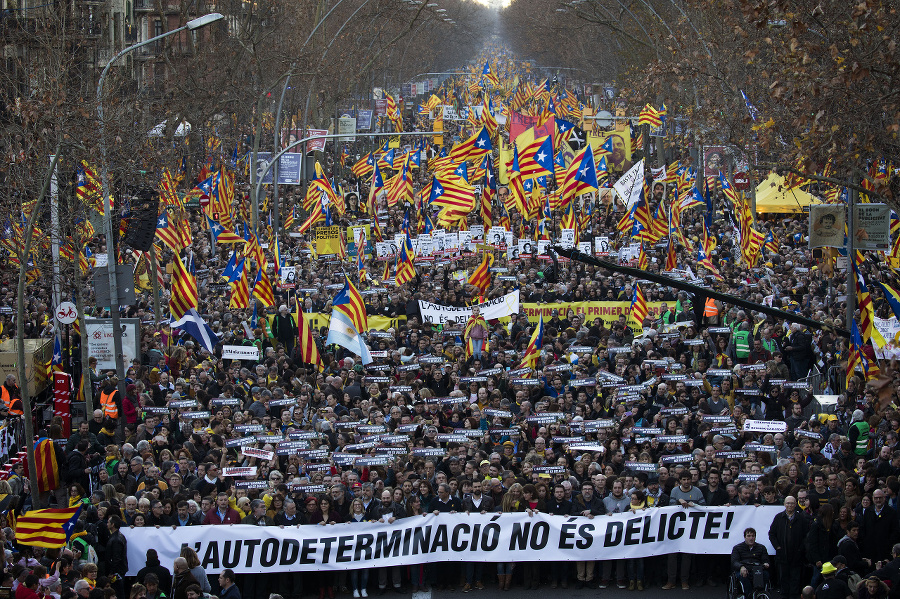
109	228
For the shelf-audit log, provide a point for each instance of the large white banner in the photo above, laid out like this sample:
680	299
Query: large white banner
495	308
513	537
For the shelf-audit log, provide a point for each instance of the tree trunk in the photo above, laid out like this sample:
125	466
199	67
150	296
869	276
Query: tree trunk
20	330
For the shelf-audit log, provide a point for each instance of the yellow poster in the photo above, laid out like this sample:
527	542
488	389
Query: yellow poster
353	234
317	320
620	159
328	240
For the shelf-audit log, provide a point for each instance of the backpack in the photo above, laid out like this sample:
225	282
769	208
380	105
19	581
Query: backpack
853	581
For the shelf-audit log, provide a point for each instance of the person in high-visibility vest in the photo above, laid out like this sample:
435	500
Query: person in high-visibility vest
12	396
109	398
859	433
711	311
742	339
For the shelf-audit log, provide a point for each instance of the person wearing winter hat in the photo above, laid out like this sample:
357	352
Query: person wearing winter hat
831	587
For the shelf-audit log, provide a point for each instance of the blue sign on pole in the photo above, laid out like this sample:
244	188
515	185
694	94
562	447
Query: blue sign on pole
364	120
290	168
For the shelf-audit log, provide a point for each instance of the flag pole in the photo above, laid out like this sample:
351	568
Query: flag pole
851	255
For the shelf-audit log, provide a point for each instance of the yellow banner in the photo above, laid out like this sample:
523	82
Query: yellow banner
317	320
609	312
328	240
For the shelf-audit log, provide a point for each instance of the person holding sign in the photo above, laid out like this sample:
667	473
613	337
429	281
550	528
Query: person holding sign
475	334
688	496
284	328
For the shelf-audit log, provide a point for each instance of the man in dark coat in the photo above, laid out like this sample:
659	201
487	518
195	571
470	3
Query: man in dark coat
788	536
890	571
878	529
257	586
182	579
849	549
154	567
284	328
116	554
77	469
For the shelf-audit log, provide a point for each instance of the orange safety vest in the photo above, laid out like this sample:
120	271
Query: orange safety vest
13	405
108	402
710	309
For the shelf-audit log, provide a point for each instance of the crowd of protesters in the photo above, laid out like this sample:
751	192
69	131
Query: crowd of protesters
134	463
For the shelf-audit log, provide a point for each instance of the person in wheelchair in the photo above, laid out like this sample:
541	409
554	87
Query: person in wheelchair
749	564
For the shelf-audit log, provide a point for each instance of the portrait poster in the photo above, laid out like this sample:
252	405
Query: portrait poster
826	225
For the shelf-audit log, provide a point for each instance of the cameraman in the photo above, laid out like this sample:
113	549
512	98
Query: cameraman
748	559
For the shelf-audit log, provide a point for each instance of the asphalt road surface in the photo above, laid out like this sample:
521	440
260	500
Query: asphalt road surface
491	592
516	590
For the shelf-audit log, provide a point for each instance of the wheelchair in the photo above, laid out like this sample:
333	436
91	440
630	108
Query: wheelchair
761	583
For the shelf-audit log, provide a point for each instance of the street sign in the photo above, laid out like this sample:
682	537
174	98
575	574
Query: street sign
604	119
125	286
347	127
99	332
66	313
290	168
741	181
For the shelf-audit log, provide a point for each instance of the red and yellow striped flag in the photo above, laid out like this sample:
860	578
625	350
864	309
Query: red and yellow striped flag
481	278
308	351
639	308
240	293
47	528
184	291
263	288
47	468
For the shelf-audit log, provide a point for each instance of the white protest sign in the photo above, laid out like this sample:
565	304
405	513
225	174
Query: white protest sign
630	184
465	241
258	453
888	327
602	245
497	236
495	308
425	246
240	352
288	275
764	426
239	471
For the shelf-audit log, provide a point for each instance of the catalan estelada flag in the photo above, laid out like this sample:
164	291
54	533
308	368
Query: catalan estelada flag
533	350
47	528
47	467
481	277
638	305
